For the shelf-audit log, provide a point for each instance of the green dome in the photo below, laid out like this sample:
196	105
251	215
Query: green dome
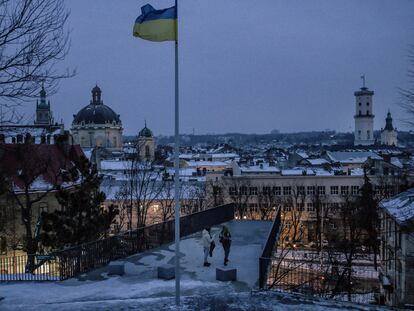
145	132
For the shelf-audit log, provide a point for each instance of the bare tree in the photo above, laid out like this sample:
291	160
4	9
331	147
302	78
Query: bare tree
291	230
319	204
33	40
124	217
407	94
195	197
215	192
140	190
239	194
267	202
347	241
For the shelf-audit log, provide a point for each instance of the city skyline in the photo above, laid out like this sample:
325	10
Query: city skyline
232	81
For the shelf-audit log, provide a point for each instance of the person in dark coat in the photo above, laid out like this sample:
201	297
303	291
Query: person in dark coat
225	240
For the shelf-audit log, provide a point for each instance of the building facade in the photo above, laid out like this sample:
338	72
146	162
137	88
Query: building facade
397	249
97	125
34	175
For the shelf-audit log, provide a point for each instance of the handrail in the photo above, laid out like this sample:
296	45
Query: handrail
271	243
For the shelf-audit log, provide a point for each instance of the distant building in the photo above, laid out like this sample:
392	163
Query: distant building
43	113
43	131
389	133
97	125
364	119
146	144
397	249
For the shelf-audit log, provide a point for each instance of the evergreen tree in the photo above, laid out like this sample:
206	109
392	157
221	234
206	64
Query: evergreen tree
82	218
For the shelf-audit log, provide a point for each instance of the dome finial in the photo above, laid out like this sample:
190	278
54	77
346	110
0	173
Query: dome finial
96	95
145	132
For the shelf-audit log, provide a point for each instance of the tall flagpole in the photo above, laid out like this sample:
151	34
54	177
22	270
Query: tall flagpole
177	171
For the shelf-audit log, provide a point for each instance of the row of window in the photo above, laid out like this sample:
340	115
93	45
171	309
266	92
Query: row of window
300	190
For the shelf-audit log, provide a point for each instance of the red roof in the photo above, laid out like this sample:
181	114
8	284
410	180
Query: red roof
25	163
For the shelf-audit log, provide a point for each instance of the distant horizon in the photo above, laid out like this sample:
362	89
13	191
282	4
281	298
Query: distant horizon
280	133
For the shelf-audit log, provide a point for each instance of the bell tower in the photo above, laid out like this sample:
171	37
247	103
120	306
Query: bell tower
43	113
364	118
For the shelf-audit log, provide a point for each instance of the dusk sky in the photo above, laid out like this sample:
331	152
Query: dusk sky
245	66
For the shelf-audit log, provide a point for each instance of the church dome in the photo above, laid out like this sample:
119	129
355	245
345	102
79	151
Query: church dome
145	132
96	112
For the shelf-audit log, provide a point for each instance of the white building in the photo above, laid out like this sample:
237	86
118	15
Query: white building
397	249
97	125
364	119
389	133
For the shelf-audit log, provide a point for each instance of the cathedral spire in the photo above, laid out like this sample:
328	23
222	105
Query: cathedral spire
388	122
43	113
42	95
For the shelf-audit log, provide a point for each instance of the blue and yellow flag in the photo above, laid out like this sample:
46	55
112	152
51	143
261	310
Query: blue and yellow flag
156	25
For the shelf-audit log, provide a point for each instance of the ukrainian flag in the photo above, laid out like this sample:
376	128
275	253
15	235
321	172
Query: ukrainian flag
156	25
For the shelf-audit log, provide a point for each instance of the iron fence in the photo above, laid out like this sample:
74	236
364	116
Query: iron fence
13	268
358	283
67	263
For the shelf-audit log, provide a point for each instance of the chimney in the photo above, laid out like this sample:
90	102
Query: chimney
28	138
62	141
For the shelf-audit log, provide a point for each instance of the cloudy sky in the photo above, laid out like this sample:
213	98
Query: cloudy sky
245	66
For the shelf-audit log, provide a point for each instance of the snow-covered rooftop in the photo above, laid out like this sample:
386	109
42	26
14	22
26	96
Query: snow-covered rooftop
400	207
115	165
320	161
352	157
396	161
258	169
207	163
302	154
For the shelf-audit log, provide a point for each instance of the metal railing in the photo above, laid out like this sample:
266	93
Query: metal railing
265	259
13	268
334	281
76	260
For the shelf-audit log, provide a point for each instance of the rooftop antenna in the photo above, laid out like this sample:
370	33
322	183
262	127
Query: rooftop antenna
363	81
